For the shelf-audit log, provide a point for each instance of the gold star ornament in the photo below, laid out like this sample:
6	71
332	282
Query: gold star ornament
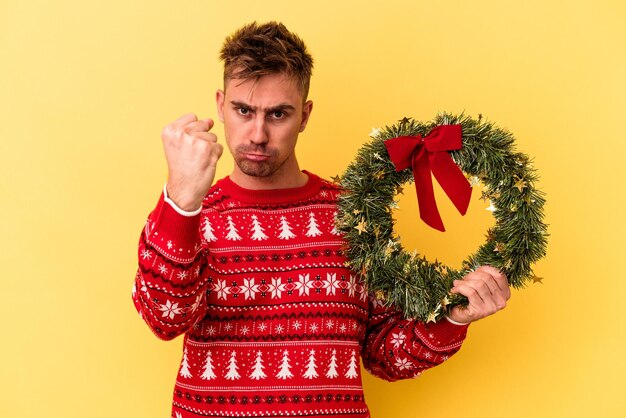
520	184
380	295
375	132
361	227
431	317
473	180
379	175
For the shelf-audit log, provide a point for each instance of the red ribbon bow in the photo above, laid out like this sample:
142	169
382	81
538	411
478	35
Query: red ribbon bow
429	154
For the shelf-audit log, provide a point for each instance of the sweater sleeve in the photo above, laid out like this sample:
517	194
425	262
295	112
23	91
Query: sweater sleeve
170	284
399	348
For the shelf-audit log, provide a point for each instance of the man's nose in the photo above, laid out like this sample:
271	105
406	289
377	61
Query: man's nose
259	130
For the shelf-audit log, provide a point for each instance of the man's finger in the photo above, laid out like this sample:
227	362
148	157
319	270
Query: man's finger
199	125
499	277
470	292
207	136
489	280
184	120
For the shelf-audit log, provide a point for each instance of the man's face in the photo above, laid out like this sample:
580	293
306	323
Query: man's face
262	119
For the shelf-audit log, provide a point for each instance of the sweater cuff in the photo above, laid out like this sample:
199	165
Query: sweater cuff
446	334
175	206
173	234
455	322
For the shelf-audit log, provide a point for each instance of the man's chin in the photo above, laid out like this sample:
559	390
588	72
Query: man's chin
256	169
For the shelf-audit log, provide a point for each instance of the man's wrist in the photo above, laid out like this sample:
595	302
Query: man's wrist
452	321
177	208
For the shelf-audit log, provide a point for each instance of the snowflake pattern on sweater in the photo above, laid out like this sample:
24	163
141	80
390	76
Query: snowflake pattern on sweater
275	324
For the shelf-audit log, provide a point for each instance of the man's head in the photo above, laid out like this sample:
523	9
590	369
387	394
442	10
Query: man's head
257	50
263	105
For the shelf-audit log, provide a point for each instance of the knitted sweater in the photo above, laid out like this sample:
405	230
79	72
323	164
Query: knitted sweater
275	323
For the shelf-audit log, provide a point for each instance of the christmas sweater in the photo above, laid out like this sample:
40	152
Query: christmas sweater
275	324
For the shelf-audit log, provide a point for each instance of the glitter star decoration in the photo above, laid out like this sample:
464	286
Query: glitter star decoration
536	279
431	317
390	248
474	181
441	269
361	227
375	132
364	268
520	184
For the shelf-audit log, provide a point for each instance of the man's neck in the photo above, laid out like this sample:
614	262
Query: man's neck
279	180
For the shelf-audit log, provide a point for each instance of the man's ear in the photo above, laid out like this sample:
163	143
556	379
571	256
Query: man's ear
306	113
219	99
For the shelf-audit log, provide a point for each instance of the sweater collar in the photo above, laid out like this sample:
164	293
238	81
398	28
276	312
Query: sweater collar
276	196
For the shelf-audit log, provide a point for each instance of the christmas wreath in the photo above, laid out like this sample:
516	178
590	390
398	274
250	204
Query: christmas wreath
460	152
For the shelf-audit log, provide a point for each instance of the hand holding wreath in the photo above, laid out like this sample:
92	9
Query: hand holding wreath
487	291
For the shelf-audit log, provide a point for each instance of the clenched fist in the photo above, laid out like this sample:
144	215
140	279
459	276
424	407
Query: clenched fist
192	153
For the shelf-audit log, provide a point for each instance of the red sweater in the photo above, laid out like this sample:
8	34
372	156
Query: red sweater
274	322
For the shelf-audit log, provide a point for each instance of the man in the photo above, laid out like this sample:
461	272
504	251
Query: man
251	269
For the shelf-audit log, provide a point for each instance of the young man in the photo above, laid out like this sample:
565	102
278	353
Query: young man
251	269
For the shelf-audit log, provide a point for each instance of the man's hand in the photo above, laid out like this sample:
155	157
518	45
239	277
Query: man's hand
487	290
192	153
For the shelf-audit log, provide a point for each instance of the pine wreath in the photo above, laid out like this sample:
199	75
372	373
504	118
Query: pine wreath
419	287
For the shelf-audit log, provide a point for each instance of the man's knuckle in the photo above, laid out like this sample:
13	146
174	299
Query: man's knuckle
167	131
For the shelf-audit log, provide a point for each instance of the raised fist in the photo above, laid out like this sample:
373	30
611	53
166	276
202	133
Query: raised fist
192	153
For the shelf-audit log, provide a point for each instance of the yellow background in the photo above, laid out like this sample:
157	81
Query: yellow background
85	88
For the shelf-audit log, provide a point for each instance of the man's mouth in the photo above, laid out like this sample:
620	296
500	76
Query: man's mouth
256	157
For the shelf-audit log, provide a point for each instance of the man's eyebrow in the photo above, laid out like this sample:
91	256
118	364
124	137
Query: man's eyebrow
282	106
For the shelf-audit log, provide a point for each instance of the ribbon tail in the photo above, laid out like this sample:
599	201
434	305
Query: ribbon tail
451	179
425	193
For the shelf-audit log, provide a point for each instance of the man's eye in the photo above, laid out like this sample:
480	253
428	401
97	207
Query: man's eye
243	110
278	114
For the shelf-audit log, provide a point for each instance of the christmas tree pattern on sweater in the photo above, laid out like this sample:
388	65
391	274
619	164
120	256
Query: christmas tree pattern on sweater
274	322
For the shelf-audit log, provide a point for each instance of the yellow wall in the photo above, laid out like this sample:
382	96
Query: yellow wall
85	88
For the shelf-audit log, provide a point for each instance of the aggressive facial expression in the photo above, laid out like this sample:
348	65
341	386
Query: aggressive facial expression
262	119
